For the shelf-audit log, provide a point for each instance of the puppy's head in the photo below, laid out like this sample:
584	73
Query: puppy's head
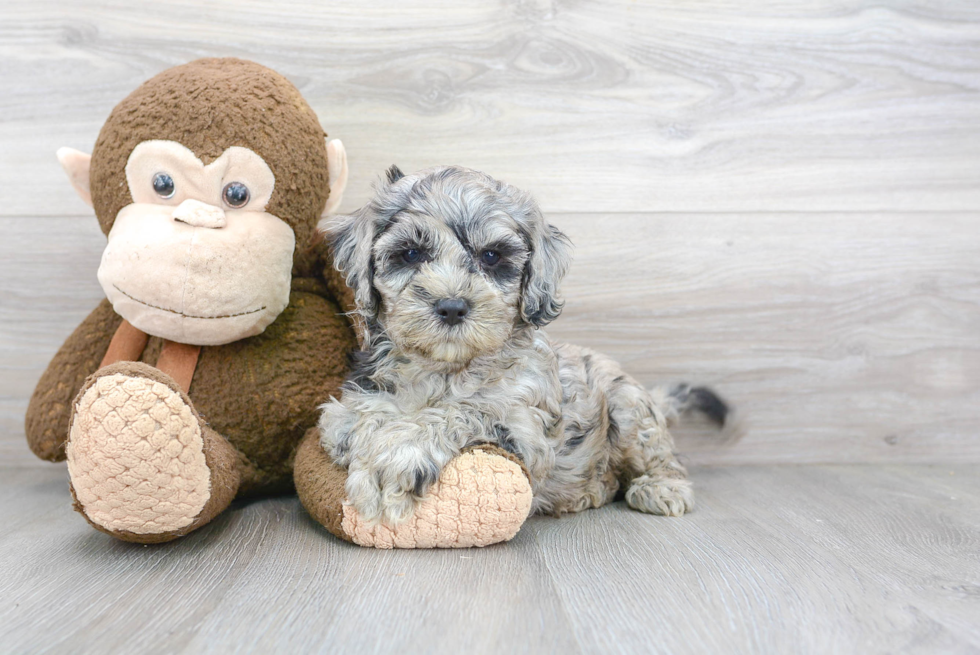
449	262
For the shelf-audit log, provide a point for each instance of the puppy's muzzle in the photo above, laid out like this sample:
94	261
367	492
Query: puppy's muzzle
451	311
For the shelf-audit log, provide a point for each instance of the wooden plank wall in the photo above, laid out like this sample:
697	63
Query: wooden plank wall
779	199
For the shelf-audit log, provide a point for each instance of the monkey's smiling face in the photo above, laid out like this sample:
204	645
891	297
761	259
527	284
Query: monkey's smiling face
196	258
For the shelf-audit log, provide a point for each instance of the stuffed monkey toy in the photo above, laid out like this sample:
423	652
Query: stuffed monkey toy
197	380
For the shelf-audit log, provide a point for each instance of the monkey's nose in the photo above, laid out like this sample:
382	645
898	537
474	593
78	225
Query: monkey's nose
452	311
199	214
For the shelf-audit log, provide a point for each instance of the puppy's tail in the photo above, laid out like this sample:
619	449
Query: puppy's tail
677	400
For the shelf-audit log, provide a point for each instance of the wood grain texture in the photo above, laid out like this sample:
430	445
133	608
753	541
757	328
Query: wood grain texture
838	337
611	105
842	559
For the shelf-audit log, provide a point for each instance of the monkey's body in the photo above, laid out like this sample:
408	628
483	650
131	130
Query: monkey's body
223	327
275	397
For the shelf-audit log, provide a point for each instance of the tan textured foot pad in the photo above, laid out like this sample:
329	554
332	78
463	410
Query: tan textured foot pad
136	456
480	499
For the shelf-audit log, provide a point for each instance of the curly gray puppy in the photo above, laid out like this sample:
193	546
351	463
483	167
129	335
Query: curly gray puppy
453	273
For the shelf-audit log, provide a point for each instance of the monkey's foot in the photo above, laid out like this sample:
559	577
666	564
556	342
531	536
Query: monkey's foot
482	497
142	465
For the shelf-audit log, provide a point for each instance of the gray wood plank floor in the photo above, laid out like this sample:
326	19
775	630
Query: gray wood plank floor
815	559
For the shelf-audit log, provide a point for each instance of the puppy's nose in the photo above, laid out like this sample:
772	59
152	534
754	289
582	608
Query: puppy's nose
452	311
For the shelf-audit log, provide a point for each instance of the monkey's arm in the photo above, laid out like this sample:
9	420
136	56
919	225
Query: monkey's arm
49	411
334	286
334	280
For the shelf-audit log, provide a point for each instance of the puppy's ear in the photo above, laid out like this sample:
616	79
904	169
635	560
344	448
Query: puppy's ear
543	272
351	238
394	174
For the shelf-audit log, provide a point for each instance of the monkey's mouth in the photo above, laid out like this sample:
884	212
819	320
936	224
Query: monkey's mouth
174	311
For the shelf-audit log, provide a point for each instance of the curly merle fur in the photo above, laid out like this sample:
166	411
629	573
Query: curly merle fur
422	389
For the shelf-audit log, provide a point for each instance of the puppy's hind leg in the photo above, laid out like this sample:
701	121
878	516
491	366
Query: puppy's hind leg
657	482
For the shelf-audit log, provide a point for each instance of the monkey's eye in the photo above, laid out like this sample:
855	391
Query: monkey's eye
412	256
236	194
163	184
490	257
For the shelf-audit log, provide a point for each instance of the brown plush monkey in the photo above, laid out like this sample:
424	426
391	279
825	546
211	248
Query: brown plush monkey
208	181
198	379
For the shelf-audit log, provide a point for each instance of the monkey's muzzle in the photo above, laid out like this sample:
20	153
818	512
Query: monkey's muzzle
171	273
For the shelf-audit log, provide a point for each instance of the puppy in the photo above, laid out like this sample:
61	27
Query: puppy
453	273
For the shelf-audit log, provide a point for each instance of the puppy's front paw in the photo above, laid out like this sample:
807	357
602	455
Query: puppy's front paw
364	493
389	492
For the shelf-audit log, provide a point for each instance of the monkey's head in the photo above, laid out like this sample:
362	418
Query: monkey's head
206	180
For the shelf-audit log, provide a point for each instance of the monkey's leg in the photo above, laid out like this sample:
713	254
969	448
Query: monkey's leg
142	464
483	497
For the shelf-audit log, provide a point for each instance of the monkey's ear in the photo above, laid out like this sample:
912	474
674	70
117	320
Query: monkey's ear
337	168
77	164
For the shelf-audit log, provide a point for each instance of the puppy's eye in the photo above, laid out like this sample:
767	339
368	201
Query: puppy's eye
412	256
163	184
235	194
490	257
